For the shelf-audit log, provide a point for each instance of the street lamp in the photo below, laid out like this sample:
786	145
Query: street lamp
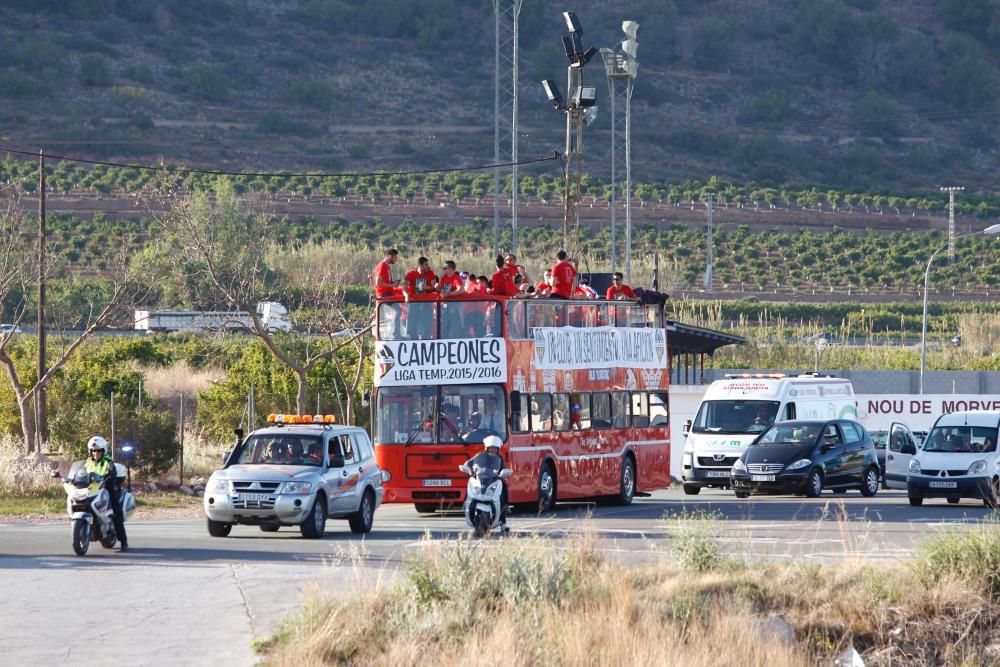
991	231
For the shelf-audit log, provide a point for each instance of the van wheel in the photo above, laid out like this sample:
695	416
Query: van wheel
315	524
425	508
361	521
546	489
869	487
626	490
954	501
814	486
691	490
916	502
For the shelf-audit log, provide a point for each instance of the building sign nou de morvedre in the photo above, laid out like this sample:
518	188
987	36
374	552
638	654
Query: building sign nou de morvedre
400	363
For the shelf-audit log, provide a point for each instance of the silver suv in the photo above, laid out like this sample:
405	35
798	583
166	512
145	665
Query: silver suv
296	475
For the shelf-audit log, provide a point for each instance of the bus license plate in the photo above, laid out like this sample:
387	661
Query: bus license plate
437	482
255	497
943	485
717	473
761	478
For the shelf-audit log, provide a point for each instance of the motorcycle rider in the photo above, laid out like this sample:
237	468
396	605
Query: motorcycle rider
101	464
490	458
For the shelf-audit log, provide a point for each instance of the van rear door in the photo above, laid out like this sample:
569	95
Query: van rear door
900	448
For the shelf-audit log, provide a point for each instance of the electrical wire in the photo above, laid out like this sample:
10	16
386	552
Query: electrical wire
217	172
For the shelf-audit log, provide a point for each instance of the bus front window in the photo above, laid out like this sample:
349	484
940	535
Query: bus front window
735	416
470	319
406	415
407	321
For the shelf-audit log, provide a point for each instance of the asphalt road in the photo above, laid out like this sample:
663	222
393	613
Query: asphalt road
183	597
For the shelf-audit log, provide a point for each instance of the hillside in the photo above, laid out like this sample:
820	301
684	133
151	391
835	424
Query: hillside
865	94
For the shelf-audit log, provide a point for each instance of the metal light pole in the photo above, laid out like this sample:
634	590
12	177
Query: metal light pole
621	68
506	13
992	230
709	230
951	190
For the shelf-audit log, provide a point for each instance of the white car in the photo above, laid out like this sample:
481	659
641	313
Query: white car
959	459
6	329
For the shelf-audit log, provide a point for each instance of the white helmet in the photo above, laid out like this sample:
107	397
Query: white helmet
492	441
97	442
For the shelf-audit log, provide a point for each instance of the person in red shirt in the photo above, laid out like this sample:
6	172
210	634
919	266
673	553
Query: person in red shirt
503	281
513	268
563	277
543	288
619	290
421	280
451	283
382	276
584	290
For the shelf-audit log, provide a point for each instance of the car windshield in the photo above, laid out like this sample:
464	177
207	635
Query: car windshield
790	434
962	439
282	449
735	416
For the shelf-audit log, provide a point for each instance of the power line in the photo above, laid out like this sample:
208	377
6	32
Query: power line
214	172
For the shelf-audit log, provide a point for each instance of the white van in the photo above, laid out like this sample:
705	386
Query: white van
958	460
736	410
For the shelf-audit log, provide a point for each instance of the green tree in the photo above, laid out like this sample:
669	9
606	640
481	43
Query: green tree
95	71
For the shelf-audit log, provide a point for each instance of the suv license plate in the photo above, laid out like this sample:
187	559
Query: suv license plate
761	478
437	482
259	497
717	473
943	485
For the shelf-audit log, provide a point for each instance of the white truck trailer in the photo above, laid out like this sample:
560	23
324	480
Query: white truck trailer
272	315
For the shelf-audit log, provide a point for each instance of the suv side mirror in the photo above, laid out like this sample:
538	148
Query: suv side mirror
336	461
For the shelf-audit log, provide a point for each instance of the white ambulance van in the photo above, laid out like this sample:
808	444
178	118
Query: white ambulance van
737	409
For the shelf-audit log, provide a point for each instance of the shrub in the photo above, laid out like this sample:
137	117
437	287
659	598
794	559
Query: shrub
206	83
95	71
316	94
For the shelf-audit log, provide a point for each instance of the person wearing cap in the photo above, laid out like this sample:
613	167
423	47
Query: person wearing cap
619	290
490	458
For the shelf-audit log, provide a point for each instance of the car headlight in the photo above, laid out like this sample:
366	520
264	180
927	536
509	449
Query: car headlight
739	465
217	485
977	467
386	476
296	488
798	465
915	466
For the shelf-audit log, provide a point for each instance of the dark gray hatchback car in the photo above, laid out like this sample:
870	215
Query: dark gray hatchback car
806	457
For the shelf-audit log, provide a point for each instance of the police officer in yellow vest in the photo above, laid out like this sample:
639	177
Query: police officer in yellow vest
101	464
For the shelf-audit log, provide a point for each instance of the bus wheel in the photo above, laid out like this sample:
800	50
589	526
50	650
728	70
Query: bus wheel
626	490
546	489
425	508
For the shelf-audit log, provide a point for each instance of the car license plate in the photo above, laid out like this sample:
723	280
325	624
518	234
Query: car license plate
259	497
437	482
761	478
943	485
717	473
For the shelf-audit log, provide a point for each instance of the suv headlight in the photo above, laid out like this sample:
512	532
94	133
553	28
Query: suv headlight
798	465
218	485
914	466
739	465
296	488
977	467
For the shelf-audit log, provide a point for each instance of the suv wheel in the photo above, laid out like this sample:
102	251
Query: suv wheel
315	524
219	529
361	521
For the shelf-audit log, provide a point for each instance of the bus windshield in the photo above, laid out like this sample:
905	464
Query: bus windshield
440	414
975	439
735	416
419	320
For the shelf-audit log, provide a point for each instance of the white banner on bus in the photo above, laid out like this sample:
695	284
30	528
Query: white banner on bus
402	363
571	348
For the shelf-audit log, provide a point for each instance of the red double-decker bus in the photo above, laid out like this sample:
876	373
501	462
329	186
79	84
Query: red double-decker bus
577	391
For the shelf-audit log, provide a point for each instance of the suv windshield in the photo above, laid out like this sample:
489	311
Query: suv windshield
790	434
735	416
961	439
282	449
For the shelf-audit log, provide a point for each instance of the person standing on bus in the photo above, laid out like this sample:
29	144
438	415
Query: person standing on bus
563	277
450	283
503	280
543	288
513	268
421	280
619	290
385	286
584	290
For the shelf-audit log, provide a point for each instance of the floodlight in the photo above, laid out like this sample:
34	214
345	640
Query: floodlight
590	115
572	23
573	46
552	93
587	55
585	96
630	28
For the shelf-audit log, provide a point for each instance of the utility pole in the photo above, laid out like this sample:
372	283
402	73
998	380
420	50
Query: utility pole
708	242
180	463
506	13
951	190
41	421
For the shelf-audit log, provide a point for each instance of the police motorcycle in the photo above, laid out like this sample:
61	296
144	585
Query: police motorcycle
482	497
88	503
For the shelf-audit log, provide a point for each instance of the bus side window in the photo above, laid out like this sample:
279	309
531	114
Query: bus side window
640	409
520	415
560	412
541	413
600	411
659	409
516	322
580	410
619	409
790	412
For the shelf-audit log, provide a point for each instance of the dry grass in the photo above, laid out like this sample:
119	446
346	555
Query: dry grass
169	382
533	603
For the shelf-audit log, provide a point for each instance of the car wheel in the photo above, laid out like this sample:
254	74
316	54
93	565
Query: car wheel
916	502
426	508
954	501
546	489
361	521
626	491
691	490
869	485
315	524
81	537
814	485
219	529
269	527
